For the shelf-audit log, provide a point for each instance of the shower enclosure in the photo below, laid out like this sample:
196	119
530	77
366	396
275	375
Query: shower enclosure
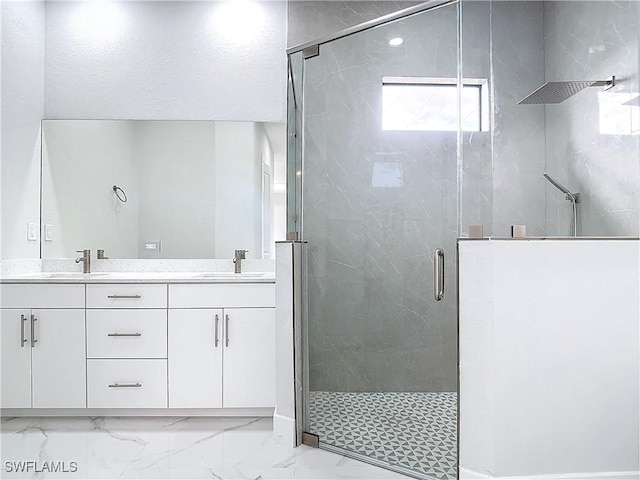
403	133
377	207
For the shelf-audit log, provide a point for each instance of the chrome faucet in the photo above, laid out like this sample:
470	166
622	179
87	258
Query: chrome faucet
85	259
101	256
239	256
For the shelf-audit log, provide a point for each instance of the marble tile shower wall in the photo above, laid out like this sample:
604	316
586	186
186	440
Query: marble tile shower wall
373	324
517	58
592	139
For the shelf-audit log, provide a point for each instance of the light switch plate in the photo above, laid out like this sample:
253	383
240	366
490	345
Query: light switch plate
48	232
32	231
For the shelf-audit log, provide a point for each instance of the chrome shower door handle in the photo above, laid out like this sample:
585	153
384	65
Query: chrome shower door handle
438	274
215	341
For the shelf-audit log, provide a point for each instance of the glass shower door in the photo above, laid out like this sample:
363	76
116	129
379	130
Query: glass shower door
379	204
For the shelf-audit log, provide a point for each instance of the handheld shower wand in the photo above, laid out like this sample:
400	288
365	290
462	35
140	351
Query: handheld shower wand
573	197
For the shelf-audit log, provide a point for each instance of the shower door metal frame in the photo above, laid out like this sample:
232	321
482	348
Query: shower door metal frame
361	27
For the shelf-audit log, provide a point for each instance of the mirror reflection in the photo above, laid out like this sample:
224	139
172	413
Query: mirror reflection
162	189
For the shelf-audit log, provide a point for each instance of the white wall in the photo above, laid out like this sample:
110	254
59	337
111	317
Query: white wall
88	159
175	164
127	60
22	109
549	366
166	60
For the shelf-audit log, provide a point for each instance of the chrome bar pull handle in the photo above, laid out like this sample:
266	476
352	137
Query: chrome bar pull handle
33	331
226	329
123	296
23	340
216	330
438	274
116	334
125	385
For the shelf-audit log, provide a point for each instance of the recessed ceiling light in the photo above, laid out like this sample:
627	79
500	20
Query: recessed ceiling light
238	21
395	42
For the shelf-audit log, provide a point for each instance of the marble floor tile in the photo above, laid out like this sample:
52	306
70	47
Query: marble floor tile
167	448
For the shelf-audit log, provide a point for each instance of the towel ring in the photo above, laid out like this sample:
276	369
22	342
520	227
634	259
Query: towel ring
120	193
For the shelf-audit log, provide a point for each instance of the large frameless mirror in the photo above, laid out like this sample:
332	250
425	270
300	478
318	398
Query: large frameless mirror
162	189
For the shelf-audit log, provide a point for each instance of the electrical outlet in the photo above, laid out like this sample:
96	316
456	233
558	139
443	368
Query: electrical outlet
32	232
48	232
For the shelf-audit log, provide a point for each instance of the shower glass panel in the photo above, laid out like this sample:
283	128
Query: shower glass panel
377	204
294	145
586	138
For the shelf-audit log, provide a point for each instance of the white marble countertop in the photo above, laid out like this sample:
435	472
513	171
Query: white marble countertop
140	277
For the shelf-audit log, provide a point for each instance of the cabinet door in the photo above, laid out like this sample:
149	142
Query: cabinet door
15	363
195	358
249	357
59	360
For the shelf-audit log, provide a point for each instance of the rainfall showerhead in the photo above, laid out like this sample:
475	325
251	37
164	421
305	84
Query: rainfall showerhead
557	92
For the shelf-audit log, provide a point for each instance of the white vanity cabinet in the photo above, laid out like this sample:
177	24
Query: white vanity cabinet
116	346
221	346
42	340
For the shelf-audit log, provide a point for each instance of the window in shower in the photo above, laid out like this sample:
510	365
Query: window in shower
430	104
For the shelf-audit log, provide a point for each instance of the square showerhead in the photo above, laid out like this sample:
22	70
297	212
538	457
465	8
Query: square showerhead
557	92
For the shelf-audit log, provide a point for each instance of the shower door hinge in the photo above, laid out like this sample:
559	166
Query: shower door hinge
310	439
310	52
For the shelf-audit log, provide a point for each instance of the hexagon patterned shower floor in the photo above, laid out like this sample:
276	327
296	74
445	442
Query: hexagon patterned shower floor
415	431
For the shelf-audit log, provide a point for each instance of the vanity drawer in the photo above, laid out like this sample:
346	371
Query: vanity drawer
132	333
41	296
126	296
222	295
126	383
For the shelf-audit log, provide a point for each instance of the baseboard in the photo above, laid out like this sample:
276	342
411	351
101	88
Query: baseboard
284	430
471	475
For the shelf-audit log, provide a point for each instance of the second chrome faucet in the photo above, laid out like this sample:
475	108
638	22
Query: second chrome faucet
237	260
85	259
